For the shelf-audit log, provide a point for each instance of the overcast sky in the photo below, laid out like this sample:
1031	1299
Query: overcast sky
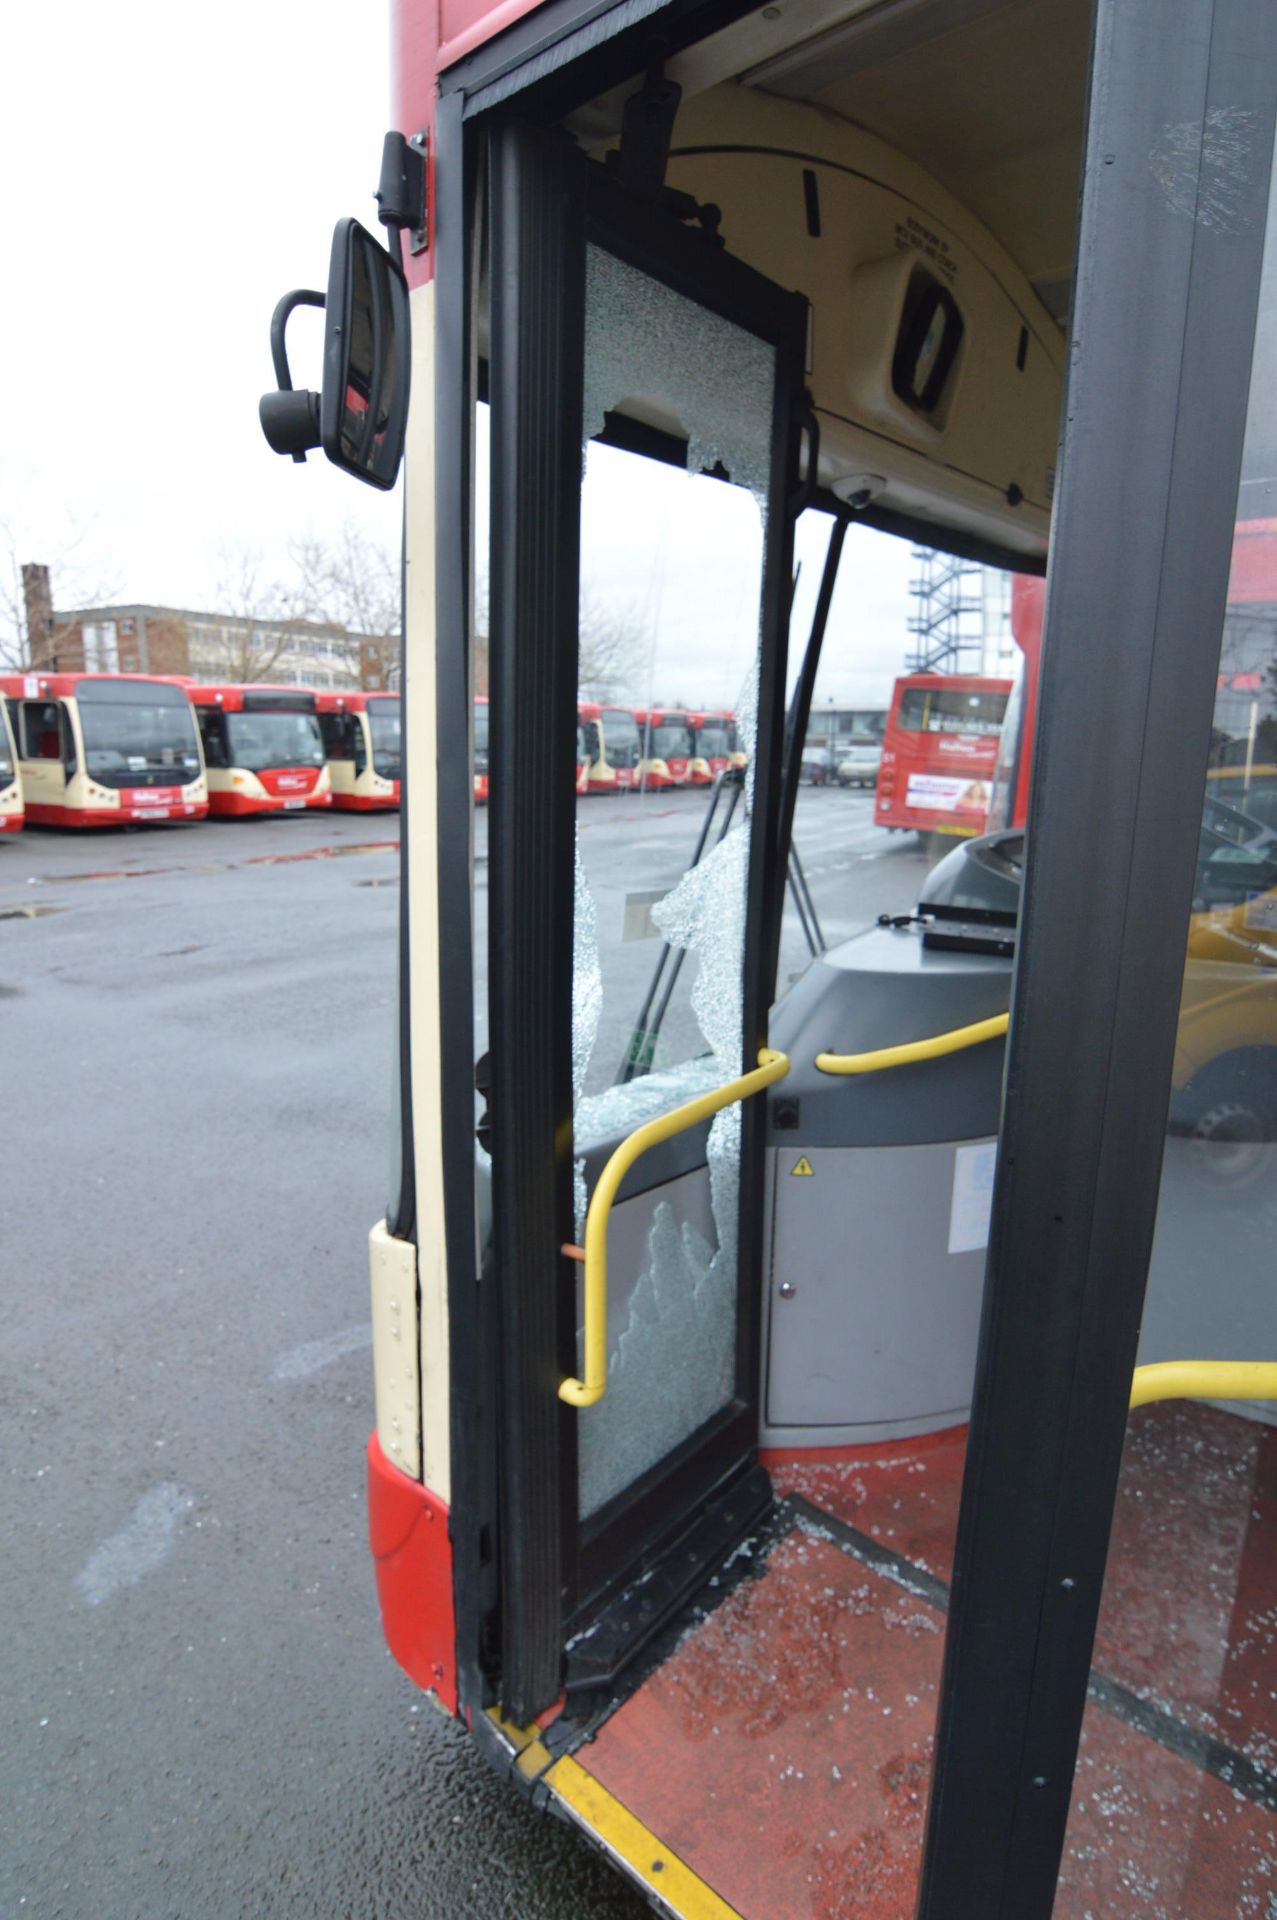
170	173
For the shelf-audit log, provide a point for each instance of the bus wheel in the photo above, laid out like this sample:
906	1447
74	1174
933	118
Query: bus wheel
1229	1113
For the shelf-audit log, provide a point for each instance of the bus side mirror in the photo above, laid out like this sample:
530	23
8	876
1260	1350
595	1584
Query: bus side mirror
361	415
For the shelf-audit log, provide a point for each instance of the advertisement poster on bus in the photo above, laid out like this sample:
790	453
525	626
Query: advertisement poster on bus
941	793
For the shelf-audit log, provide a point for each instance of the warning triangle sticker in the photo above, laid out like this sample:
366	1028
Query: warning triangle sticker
802	1169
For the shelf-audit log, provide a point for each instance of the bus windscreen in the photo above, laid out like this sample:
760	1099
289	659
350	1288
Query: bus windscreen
385	723
259	741
714	741
7	769
670	741
620	738
951	710
137	733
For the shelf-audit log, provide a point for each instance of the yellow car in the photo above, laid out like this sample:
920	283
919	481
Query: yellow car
1225	1075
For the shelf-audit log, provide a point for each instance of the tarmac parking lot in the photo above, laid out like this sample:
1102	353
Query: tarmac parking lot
202	1717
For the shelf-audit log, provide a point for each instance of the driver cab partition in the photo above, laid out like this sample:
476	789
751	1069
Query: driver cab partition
640	379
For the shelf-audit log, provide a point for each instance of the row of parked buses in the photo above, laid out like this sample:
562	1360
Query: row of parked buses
620	748
101	750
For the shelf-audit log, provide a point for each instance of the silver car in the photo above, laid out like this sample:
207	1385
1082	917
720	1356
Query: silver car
859	763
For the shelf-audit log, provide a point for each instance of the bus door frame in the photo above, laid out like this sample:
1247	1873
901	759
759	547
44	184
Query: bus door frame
1137	581
548	203
1155	413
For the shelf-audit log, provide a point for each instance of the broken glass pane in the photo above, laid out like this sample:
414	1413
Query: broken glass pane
671	585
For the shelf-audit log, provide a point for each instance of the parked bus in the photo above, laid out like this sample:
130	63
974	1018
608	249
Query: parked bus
832	1466
105	750
587	750
363	740
262	749
481	750
668	747
11	814
715	747
939	752
614	748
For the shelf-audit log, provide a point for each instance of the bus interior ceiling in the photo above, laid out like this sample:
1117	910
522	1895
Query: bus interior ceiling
941	142
781	1747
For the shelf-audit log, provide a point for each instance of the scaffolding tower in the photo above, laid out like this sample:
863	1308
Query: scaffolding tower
948	618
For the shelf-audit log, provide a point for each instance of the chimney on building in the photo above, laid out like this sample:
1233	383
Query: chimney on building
37	595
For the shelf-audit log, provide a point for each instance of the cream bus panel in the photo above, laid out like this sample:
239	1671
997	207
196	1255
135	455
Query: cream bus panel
393	1272
982	457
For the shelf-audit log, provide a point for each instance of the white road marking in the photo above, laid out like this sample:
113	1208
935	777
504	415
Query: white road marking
300	1362
139	1548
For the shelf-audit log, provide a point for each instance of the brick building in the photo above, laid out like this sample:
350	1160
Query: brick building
209	646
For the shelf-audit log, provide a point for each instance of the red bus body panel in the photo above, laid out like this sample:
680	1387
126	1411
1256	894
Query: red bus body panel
121	816
285	786
360	803
408	1535
1252	581
1028	599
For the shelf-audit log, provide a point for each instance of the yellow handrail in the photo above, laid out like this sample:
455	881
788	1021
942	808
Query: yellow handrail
772	1066
911	1050
1204	1380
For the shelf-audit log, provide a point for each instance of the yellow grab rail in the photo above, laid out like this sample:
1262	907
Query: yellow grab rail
1204	1380
772	1066
911	1050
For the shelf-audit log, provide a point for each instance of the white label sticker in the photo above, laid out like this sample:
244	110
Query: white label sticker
972	1196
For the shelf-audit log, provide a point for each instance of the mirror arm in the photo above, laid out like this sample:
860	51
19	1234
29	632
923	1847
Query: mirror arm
289	420
299	297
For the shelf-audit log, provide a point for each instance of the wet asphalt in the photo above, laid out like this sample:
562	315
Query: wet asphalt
201	1717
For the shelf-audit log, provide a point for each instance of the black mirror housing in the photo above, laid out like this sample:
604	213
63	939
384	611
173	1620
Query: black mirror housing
364	404
360	418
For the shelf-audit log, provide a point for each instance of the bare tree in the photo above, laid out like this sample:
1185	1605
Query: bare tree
74	580
613	648
257	610
350	581
613	645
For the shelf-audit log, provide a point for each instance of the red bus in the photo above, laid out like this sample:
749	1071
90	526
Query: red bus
481	749
669	747
10	777
716	748
939	752
106	750
262	748
363	739
613	749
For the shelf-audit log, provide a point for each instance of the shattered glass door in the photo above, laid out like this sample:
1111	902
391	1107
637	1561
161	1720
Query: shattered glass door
671	582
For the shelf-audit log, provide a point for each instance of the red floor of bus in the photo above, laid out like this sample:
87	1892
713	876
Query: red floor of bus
782	1752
